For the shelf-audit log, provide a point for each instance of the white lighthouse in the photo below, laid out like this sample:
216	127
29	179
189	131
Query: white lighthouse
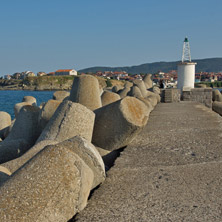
186	69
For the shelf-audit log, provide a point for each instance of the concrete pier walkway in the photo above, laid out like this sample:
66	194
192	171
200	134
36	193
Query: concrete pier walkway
171	172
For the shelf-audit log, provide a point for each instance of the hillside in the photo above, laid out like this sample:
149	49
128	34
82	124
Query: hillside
204	65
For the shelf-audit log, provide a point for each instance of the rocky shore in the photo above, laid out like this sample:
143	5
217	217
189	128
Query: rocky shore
53	155
42	83
38	83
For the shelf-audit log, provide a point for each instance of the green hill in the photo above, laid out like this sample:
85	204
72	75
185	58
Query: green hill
204	65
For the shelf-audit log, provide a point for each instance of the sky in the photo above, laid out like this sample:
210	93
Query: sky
46	35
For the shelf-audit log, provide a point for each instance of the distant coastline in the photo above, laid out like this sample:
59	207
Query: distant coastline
46	83
49	83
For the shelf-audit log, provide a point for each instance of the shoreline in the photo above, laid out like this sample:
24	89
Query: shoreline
37	90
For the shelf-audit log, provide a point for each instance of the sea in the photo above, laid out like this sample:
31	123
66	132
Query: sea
8	98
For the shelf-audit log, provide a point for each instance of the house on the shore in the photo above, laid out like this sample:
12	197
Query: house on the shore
16	75
66	72
27	74
8	77
41	74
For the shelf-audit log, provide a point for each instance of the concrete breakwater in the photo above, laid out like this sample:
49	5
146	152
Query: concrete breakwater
52	156
170	172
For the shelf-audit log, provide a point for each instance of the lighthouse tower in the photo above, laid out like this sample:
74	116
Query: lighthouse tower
186	69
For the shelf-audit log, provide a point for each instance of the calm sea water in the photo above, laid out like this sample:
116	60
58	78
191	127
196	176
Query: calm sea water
10	97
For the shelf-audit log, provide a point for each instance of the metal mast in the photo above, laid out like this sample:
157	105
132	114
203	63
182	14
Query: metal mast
186	57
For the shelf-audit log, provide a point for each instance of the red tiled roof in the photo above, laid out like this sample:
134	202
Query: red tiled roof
63	70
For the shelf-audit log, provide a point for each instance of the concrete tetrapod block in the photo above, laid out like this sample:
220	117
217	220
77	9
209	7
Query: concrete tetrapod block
85	90
109	97
128	84
152	100
217	107
123	92
147	103
118	123
152	94
135	91
60	95
18	107
139	83
30	99
90	155
148	81
5	122
9	129
216	95
47	112
100	90
96	163
22	136
146	85
156	89
70	119
15	164
116	88
53	186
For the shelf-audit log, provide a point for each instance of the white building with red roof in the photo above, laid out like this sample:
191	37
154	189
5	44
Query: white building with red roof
66	72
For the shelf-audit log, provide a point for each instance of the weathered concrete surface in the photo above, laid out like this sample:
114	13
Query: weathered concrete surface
217	107
61	95
18	107
123	92
22	136
148	81
47	112
52	186
216	95
30	99
5	122
118	123
69	120
86	91
172	171
135	91
109	97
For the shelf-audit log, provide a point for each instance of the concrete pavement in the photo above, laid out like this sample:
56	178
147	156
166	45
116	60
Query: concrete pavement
171	172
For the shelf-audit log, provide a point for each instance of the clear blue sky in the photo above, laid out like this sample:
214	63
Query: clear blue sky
45	35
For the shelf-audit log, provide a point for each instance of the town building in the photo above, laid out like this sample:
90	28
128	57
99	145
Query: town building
41	74
7	77
16	75
29	74
66	72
